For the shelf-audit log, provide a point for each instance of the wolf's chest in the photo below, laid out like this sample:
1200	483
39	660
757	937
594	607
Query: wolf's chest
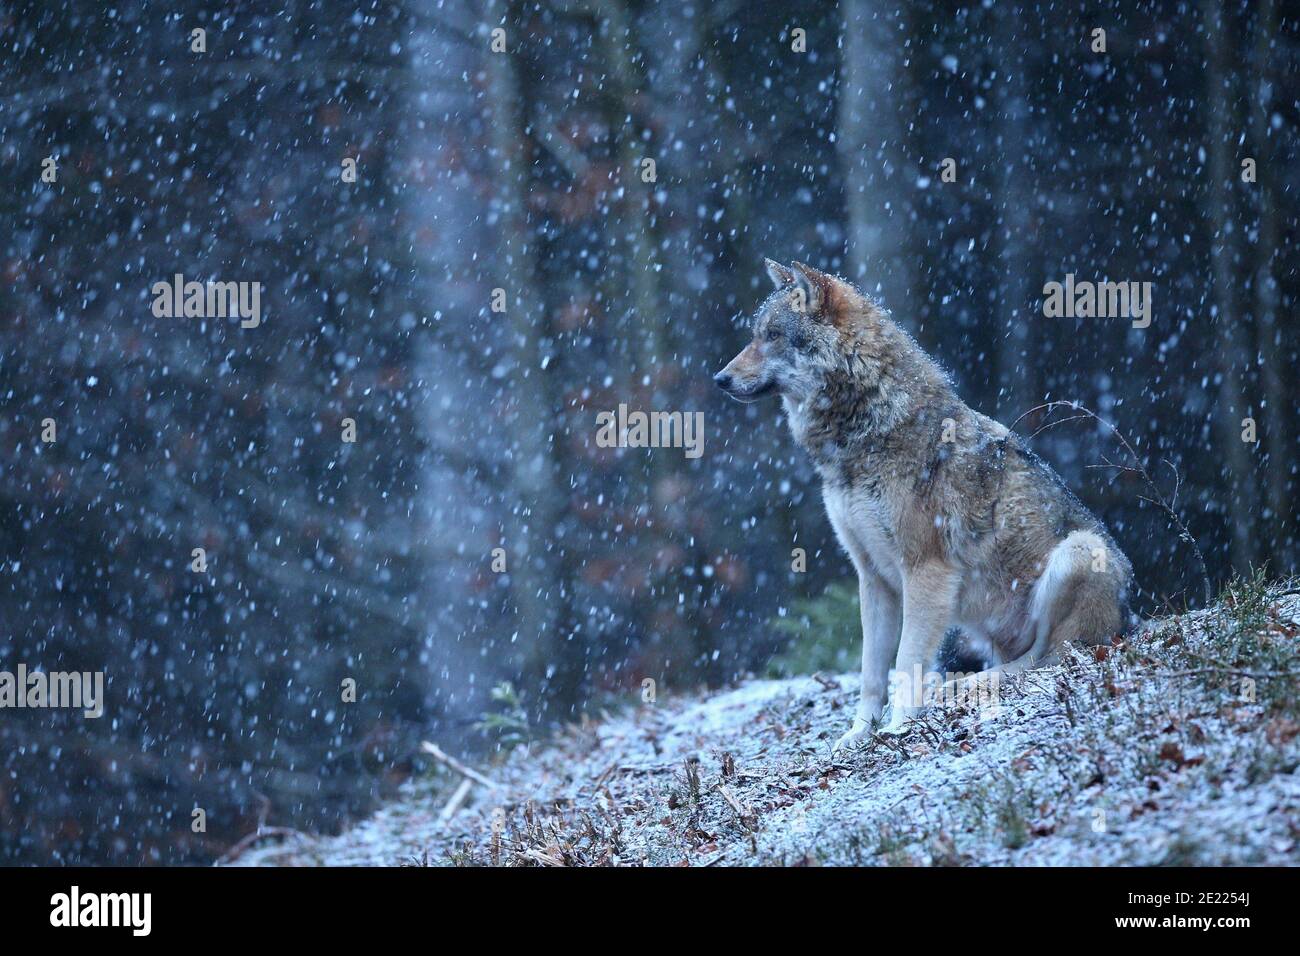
865	528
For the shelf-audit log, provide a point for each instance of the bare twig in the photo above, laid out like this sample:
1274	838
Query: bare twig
442	757
537	856
249	839
746	816
1202	671
1156	497
457	799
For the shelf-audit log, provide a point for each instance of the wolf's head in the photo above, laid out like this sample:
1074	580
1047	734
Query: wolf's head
799	334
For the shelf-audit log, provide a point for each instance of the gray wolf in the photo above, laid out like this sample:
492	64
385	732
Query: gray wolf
949	520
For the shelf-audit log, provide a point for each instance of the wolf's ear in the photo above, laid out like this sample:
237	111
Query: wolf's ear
780	275
815	286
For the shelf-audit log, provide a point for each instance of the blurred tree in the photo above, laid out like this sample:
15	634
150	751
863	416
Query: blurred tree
1234	405
538	585
872	138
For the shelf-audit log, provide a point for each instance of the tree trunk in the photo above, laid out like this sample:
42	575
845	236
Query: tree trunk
1013	321
1275	427
878	176
646	319
1233	404
554	669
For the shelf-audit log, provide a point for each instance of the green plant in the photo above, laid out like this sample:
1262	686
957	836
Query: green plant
825	633
1013	825
507	726
1254	650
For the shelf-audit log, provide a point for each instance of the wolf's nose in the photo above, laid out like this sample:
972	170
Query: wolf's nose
722	380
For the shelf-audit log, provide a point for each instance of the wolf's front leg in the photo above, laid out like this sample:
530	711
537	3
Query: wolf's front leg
929	599
881	620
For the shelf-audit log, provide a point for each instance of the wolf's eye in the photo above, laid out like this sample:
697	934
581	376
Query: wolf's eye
773	333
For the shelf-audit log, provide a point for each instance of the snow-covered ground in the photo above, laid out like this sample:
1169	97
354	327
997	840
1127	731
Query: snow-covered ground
1179	746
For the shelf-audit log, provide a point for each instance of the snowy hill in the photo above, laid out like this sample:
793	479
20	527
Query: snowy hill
1179	746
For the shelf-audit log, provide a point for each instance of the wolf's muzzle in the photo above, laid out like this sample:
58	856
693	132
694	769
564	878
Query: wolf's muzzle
742	393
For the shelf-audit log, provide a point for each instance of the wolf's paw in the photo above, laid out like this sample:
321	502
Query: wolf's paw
854	738
899	718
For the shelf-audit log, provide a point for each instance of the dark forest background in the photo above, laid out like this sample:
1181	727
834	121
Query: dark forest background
521	171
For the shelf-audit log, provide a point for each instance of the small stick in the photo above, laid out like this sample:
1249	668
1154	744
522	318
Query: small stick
249	839
732	802
437	753
540	857
457	798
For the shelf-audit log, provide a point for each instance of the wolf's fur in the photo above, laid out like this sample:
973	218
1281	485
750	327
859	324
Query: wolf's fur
948	518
